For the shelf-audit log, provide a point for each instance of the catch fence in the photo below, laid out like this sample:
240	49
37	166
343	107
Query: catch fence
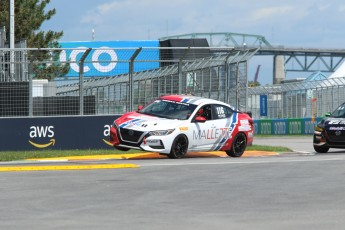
90	81
298	99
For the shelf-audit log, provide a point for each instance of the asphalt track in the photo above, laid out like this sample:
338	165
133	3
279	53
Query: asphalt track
298	190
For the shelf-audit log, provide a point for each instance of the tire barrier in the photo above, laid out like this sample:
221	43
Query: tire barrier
293	126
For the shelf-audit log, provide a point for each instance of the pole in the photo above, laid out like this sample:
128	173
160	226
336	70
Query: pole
81	81
130	75
12	39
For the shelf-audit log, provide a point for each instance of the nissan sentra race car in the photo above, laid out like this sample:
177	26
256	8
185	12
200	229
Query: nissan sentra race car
330	131
176	124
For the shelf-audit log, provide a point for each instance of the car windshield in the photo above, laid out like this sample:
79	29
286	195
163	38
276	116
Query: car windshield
339	112
169	109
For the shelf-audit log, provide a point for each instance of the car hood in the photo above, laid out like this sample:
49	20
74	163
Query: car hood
332	122
141	122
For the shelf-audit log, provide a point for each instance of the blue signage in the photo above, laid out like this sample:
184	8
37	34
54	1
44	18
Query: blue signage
109	58
263	105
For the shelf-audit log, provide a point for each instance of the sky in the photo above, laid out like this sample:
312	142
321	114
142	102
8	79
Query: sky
288	23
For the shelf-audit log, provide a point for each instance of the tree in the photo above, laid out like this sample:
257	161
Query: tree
253	83
29	16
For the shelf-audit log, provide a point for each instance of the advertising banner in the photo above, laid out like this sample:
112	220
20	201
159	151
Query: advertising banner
92	132
288	126
265	126
87	132
110	59
280	127
263	105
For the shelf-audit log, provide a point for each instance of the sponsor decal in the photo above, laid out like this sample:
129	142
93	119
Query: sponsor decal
244	125
130	123
51	142
244	122
336	122
210	134
153	142
106	133
175	102
220	111
42	132
250	134
336	128
224	141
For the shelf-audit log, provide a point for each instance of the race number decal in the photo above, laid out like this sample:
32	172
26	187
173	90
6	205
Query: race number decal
220	112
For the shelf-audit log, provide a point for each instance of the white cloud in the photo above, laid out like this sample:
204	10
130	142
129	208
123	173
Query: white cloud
271	12
341	8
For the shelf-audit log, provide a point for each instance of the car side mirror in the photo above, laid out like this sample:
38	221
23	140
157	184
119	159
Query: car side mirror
140	107
200	119
327	114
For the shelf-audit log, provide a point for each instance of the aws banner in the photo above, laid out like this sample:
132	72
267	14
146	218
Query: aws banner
87	132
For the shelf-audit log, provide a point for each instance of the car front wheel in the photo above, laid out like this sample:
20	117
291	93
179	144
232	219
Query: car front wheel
321	149
238	146
179	147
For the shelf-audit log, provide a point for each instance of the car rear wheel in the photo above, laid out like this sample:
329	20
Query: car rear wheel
321	149
238	146
179	147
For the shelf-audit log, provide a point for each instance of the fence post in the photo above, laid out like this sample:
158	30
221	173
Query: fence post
180	76
81	80
130	75
180	71
31	103
237	104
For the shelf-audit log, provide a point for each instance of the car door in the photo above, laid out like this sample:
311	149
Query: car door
212	133
224	121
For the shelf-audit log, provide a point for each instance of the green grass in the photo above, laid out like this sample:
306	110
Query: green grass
21	155
268	148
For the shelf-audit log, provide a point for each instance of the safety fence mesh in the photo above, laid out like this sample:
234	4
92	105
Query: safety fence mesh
87	81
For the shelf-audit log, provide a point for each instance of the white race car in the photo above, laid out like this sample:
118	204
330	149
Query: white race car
175	124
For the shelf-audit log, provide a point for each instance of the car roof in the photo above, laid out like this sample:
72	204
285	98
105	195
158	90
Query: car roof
192	99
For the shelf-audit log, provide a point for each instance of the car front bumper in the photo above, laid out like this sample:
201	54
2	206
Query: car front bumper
159	144
323	139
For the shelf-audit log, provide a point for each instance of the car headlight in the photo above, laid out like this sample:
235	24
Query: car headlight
318	128
161	132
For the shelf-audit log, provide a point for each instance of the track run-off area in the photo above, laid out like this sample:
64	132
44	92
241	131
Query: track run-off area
297	190
300	146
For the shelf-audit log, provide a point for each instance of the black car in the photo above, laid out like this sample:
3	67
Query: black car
330	132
